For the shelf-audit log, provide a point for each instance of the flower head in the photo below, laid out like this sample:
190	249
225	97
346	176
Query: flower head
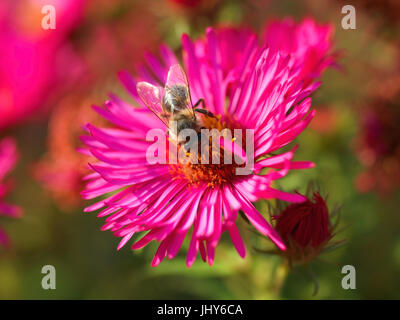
305	227
309	42
261	92
8	159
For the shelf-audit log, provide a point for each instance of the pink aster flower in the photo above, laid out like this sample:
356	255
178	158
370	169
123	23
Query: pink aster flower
261	91
309	43
8	158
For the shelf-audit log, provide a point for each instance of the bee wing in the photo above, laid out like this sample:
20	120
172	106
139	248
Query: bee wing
152	97
177	76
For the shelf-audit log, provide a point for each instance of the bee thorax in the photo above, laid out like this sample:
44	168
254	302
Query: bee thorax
175	99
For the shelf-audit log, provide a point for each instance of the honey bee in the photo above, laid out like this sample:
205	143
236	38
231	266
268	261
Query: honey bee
174	103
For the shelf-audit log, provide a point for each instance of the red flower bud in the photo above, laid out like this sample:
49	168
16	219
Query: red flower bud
305	228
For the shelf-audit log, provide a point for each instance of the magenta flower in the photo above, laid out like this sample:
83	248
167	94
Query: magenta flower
309	43
245	86
35	64
8	159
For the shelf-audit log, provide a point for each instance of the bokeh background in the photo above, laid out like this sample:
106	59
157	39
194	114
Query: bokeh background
354	139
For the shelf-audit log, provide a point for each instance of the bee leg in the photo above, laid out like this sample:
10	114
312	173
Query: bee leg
206	112
201	100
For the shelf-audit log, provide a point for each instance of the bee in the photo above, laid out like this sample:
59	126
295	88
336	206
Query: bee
174	103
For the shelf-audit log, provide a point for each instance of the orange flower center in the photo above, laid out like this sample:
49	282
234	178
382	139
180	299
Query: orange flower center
213	173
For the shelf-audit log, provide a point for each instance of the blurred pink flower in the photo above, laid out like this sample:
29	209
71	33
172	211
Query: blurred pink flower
106	47
112	43
230	45
260	90
34	62
8	159
309	43
61	169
